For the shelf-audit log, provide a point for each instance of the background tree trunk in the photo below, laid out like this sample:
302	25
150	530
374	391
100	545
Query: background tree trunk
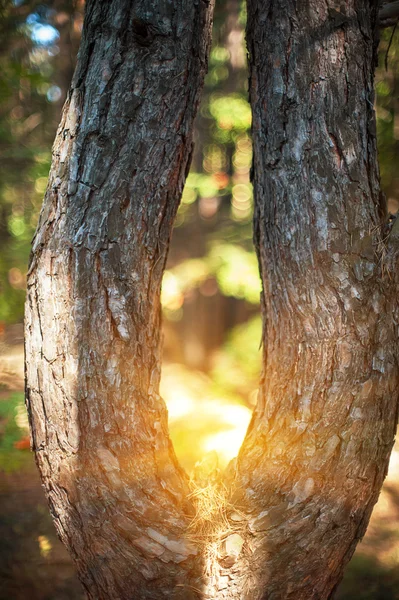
317	450
99	427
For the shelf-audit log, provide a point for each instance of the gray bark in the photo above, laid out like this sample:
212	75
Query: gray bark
317	450
99	427
287	517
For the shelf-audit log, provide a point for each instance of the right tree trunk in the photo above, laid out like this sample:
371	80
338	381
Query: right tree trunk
317	450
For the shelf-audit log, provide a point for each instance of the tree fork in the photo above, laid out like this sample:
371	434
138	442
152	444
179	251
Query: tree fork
297	499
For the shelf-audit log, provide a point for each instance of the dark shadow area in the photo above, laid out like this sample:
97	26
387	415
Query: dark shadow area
33	562
366	578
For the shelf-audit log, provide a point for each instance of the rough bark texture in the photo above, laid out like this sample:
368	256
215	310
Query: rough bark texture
317	449
99	427
300	494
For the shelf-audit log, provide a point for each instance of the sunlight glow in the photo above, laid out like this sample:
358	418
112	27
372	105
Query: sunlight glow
172	296
227	442
44	34
45	545
393	472
200	420
180	404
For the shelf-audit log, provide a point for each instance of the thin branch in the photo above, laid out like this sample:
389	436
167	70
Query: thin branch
389	45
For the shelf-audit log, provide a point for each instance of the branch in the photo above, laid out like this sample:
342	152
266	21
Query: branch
389	14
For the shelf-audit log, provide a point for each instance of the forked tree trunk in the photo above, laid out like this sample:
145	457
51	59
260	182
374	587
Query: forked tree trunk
298	498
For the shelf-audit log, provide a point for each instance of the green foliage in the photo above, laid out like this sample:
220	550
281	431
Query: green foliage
13	426
231	114
31	70
234	268
387	107
237	365
236	272
199	185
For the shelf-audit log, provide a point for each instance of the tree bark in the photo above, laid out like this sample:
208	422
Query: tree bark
292	507
316	452
99	428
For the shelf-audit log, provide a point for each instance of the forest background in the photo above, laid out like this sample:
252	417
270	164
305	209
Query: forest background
211	287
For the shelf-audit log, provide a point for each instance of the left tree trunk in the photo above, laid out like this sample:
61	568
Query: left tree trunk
99	427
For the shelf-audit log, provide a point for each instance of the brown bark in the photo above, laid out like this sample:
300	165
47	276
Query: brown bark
300	494
317	450
99	427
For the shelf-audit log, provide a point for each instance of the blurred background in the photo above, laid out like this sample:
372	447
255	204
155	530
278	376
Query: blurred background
210	296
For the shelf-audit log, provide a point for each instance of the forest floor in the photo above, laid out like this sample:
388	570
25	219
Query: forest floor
34	563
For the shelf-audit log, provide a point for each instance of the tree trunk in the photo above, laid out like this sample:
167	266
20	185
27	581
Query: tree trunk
294	504
317	449
99	427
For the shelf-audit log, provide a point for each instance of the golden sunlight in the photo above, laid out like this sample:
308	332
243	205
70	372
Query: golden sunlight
200	421
45	545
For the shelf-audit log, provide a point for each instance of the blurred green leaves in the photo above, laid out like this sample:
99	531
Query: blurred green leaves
387	108
234	269
231	112
33	71
13	427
